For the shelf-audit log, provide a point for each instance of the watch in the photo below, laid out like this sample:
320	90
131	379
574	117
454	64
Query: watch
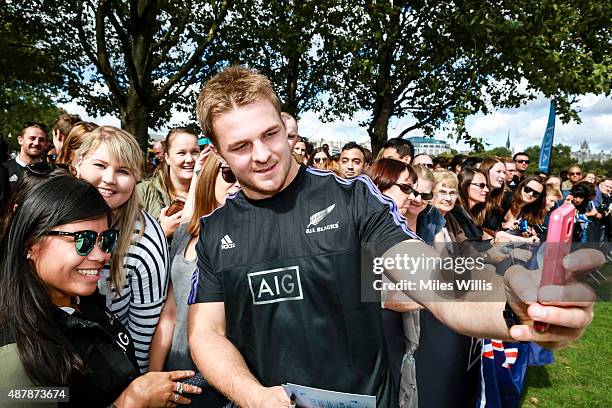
510	317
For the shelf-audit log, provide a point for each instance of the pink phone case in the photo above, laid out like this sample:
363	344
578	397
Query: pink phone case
558	245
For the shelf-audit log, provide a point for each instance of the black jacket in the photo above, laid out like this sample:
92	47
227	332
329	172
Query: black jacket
105	347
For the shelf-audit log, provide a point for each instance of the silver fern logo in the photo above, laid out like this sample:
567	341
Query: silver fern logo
318	217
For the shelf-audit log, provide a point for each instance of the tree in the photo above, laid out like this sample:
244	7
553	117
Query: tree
291	42
497	151
138	58
29	73
560	158
443	61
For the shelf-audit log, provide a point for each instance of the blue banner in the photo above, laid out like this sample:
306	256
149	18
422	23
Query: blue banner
547	142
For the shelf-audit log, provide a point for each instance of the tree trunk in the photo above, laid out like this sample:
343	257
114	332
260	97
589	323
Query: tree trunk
135	120
379	125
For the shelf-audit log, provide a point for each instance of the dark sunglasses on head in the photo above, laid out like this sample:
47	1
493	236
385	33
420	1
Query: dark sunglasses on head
479	185
84	241
319	159
227	174
523	161
534	193
44	168
407	189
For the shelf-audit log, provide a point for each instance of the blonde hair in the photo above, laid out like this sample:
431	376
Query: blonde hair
124	148
232	87
424	173
446	178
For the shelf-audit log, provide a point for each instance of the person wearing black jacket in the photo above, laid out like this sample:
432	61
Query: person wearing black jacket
54	330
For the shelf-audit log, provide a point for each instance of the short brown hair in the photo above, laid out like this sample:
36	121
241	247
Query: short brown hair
234	86
385	173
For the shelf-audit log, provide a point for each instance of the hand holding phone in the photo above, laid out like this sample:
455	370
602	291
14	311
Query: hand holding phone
175	206
558	245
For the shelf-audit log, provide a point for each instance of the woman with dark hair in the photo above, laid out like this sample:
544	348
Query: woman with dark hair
581	195
457	163
319	159
528	202
54	328
491	216
395	180
171	180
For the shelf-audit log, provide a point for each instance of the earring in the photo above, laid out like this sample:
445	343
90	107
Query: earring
28	255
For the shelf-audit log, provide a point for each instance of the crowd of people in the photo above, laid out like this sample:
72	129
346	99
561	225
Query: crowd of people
236	267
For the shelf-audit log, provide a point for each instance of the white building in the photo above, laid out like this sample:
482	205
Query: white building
429	146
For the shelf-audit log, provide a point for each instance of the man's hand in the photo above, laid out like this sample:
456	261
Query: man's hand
271	397
568	309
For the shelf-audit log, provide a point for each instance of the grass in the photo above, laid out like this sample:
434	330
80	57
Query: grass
582	373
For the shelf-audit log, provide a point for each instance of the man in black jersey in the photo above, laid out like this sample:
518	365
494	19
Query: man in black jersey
276	296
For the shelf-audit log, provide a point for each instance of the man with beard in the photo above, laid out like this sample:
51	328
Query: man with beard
33	142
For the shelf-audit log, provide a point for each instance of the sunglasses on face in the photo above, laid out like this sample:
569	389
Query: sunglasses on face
479	185
428	165
227	174
84	241
534	193
319	159
575	174
44	168
407	189
523	161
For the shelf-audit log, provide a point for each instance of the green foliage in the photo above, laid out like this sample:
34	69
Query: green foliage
497	151
560	158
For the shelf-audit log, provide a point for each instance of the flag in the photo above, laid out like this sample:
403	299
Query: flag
547	142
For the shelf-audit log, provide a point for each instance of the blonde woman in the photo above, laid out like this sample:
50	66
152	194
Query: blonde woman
135	282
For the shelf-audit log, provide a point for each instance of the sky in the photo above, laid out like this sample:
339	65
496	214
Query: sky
525	124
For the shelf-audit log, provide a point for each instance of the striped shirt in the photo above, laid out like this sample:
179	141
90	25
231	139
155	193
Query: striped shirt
142	298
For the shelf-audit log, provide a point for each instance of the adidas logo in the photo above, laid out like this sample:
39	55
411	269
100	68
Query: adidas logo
226	243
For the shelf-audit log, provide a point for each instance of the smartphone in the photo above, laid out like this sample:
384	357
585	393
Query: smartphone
558	245
175	206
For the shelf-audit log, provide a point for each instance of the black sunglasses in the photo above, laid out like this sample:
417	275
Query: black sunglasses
523	161
84	241
227	174
44	168
575	174
428	165
319	159
479	185
534	193
406	189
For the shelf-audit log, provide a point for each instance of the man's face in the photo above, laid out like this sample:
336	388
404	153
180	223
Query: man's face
575	174
510	171
391	153
252	140
292	131
33	142
522	162
158	151
351	163
606	186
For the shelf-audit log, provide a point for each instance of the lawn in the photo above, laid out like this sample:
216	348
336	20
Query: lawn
582	373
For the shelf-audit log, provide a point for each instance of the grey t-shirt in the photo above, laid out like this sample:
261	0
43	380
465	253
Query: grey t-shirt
182	270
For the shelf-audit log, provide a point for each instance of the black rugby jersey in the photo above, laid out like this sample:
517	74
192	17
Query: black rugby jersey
288	270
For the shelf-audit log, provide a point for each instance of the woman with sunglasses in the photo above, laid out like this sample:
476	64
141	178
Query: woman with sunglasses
170	350
422	217
135	282
171	180
319	159
54	328
528	202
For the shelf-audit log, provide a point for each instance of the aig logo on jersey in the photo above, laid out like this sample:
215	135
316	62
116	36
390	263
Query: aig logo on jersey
317	217
276	285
